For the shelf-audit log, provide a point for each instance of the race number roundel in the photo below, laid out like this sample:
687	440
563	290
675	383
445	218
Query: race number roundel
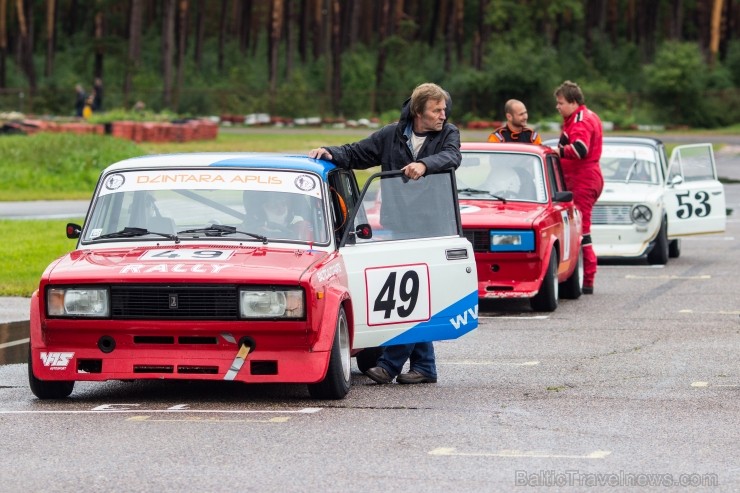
398	294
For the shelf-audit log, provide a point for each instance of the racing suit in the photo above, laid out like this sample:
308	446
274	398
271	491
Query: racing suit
580	151
506	134
391	148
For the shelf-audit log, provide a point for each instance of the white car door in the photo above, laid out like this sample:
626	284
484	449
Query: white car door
413	278
696	202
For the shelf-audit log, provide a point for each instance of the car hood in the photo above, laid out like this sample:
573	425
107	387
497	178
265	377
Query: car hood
493	213
189	263
620	192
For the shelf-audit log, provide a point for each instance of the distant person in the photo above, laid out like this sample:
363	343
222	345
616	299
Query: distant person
580	150
515	129
87	111
97	103
80	99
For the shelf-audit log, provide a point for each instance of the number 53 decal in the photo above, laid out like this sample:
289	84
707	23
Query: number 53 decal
398	294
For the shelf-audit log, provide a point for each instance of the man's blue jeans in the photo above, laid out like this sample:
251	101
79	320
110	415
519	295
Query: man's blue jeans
420	354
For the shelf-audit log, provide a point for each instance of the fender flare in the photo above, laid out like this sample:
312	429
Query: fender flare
334	298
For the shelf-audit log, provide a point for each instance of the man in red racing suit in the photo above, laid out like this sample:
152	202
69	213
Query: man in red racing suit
580	151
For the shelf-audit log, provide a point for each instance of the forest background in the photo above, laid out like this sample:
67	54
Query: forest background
671	62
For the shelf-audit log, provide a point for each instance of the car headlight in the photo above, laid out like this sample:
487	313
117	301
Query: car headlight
512	241
641	214
272	303
77	302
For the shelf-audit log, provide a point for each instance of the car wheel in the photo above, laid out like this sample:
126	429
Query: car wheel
659	254
368	358
573	286
674	248
336	383
47	389
546	300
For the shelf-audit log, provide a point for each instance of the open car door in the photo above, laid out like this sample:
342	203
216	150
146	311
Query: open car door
412	274
696	201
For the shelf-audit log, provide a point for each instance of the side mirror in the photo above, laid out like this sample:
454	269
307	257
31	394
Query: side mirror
364	231
676	180
73	231
562	196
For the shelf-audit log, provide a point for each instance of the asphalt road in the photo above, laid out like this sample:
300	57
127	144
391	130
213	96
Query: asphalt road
636	384
634	388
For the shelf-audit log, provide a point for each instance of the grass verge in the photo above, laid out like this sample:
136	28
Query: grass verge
30	247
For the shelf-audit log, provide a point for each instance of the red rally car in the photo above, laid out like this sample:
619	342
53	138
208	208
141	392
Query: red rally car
522	222
247	267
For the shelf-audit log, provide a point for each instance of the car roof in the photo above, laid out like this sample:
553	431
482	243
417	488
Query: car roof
539	150
618	139
226	159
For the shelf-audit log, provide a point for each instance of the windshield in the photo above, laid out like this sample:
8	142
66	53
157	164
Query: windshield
629	163
501	176
187	204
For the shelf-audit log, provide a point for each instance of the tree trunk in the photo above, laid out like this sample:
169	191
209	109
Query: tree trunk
200	16
336	57
275	28
222	34
3	40
50	33
168	45
303	31
385	9
99	43
289	35
480	38
449	36
25	41
182	37
134	48
715	31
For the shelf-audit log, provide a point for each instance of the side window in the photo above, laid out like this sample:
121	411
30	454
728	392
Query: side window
555	175
344	196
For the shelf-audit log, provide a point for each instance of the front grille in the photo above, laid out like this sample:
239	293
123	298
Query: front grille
611	214
479	238
164	302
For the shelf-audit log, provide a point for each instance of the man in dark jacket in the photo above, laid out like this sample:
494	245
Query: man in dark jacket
420	142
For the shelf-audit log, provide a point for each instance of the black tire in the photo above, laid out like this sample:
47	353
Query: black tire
659	254
572	288
368	358
337	382
546	300
674	248
47	389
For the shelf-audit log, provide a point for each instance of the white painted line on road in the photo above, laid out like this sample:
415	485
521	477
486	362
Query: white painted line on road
307	410
486	363
214	419
632	266
670	277
523	317
706	384
14	343
442	451
718	312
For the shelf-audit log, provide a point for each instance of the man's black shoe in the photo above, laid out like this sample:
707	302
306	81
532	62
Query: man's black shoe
588	290
414	376
379	375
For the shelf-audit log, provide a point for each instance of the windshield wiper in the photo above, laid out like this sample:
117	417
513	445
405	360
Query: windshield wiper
134	232
475	190
222	230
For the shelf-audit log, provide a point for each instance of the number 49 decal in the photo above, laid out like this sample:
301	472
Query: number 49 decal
398	294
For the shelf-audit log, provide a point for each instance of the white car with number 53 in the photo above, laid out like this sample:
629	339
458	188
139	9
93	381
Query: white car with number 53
649	202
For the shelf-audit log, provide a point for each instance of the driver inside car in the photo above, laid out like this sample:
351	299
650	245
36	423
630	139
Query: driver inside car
274	214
